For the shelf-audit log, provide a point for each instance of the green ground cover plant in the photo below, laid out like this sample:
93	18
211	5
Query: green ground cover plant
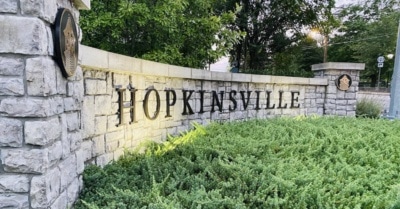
315	162
368	108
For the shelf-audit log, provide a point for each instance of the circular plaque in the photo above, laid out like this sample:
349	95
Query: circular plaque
343	82
66	45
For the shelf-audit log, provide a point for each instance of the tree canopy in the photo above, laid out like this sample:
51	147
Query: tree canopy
369	30
195	33
188	33
271	27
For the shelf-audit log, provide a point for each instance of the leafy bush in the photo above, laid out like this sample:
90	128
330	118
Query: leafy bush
278	163
368	108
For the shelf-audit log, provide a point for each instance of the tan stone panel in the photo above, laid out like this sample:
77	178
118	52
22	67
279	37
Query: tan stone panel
201	74
124	63
179	72
93	58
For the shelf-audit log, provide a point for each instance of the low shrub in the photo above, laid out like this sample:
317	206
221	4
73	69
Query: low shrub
368	108
279	163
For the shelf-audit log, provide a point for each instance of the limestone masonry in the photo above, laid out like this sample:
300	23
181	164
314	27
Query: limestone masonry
51	127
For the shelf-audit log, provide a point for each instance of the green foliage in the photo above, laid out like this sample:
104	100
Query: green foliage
280	163
296	60
179	32
368	108
369	30
267	25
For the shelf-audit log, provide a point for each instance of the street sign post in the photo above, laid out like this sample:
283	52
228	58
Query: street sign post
380	60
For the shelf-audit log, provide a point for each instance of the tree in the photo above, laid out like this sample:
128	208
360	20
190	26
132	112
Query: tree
182	32
296	60
267	24
369	30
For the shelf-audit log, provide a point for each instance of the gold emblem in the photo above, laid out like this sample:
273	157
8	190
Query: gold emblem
69	52
343	82
66	46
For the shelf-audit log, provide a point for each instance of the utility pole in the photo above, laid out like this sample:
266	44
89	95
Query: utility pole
325	43
394	109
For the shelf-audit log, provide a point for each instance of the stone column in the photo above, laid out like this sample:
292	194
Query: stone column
341	92
40	164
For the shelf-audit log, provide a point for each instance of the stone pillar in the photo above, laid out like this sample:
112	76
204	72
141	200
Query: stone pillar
40	110
341	92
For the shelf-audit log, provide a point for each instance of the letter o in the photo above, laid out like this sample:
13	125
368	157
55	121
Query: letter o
146	105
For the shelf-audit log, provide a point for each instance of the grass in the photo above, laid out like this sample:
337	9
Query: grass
280	163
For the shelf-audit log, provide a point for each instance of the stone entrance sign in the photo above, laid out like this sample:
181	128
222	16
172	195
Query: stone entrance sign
52	126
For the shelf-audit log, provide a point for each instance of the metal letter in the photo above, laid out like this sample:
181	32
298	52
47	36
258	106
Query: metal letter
295	99
186	104
232	98
168	102
146	105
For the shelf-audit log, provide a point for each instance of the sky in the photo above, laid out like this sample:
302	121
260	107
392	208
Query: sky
223	64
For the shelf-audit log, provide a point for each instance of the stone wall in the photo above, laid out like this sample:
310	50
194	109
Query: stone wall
39	111
51	127
339	102
104	73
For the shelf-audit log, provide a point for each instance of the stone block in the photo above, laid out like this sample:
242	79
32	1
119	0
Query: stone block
60	202
341	102
11	86
101	87
45	189
23	35
88	122
14	183
14	201
11	66
331	90
8	6
55	153
61	82
66	144
73	192
68	171
351	113
80	161
103	160
45	9
25	161
154	68
90	87
86	150
31	107
42	132
124	63
201	74
341	113
41	76
78	76
92	57
10	133
76	89
98	145
100	124
75	139
102	105
73	121
321	89
179	72
118	153
350	96
71	104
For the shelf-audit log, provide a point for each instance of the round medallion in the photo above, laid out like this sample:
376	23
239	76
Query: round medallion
66	44
343	82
